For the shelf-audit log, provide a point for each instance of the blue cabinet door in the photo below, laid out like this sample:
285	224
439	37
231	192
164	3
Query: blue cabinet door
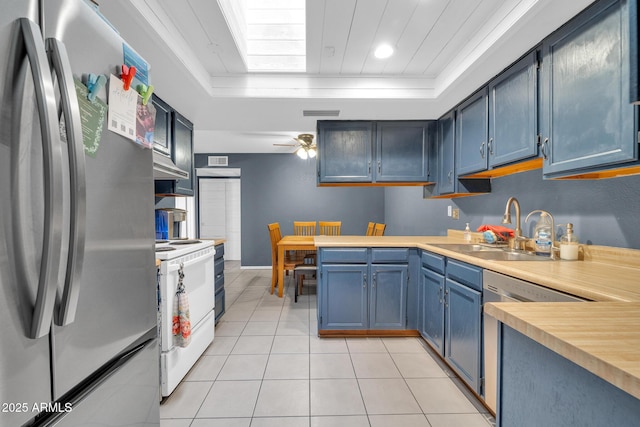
586	116
345	151
431	322
344	296
513	113
463	325
401	151
388	296
471	134
446	151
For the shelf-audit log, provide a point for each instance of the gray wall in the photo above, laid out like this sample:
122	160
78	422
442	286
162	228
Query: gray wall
604	212
282	188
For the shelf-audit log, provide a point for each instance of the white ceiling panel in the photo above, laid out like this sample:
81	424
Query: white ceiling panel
444	50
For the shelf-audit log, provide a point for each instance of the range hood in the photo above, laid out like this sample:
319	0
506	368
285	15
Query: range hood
164	168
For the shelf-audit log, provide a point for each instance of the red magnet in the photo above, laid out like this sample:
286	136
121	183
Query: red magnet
127	76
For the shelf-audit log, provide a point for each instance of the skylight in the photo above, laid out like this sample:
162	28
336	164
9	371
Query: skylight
275	35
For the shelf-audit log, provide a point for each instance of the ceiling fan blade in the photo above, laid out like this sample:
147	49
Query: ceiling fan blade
286	145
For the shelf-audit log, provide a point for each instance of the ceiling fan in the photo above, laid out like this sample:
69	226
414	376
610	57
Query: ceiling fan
306	147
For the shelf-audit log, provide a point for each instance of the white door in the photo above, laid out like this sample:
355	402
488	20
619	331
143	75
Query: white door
219	212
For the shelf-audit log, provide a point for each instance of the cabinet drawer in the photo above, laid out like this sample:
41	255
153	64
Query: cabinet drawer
218	266
433	262
344	256
380	255
219	251
466	274
219	282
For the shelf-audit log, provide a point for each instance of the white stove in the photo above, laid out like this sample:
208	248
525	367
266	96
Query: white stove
195	261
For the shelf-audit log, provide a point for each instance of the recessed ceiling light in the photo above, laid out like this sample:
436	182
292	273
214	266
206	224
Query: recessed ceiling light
383	51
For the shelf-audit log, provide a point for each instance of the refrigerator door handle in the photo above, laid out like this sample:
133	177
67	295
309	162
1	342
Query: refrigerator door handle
61	67
52	167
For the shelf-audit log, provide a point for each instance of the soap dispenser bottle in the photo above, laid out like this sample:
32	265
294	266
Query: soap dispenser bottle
542	235
467	233
569	245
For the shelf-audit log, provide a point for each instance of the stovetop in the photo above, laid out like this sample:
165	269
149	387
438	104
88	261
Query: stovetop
169	249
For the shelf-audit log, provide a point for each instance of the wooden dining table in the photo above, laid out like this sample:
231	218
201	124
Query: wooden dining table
291	243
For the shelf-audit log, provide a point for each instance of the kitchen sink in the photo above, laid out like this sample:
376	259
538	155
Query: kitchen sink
491	252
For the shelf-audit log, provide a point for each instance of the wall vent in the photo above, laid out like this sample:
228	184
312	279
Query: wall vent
218	161
320	113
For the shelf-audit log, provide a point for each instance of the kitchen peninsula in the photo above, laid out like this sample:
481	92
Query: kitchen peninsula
608	277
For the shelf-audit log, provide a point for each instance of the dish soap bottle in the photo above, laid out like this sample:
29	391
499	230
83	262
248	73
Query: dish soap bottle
542	235
467	233
569	245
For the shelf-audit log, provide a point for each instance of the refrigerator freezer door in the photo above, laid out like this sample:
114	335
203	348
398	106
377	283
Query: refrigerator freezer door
129	397
117	301
24	362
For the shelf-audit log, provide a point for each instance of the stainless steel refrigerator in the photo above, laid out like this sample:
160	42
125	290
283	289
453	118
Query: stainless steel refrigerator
78	298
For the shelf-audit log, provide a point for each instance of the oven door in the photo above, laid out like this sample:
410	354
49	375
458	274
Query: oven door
199	281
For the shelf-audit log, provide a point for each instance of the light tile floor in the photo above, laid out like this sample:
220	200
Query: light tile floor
267	368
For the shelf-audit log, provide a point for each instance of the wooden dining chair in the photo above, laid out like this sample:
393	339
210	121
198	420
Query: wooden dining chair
304	228
379	229
306	273
290	261
370	228
330	228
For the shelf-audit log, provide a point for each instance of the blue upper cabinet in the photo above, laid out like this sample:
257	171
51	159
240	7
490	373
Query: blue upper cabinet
373	152
345	151
471	134
446	152
401	151
513	113
587	121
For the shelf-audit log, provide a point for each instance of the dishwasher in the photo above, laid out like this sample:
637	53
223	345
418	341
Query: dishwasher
501	288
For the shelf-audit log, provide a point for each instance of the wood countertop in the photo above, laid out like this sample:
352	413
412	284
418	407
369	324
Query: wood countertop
596	279
602	337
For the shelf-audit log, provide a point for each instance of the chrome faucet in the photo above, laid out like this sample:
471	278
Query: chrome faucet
553	231
519	240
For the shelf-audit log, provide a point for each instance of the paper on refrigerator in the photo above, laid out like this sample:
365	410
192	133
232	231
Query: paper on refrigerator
121	118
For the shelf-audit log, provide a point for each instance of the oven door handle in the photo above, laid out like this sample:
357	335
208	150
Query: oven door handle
174	266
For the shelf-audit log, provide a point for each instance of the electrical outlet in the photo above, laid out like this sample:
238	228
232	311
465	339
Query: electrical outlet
455	213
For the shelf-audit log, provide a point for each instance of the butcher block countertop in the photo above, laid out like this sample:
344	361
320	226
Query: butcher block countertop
602	337
606	274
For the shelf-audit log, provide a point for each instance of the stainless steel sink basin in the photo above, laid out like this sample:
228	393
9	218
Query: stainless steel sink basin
491	252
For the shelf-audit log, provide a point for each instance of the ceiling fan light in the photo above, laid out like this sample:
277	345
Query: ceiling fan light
302	153
383	51
312	152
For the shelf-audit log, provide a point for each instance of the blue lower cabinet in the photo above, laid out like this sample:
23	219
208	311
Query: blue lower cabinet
388	302
450	314
463	331
539	387
344	296
359	294
431	323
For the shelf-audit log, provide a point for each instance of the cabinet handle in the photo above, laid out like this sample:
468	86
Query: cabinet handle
374	280
449	176
490	146
440	295
369	167
446	303
482	150
364	283
543	147
379	167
